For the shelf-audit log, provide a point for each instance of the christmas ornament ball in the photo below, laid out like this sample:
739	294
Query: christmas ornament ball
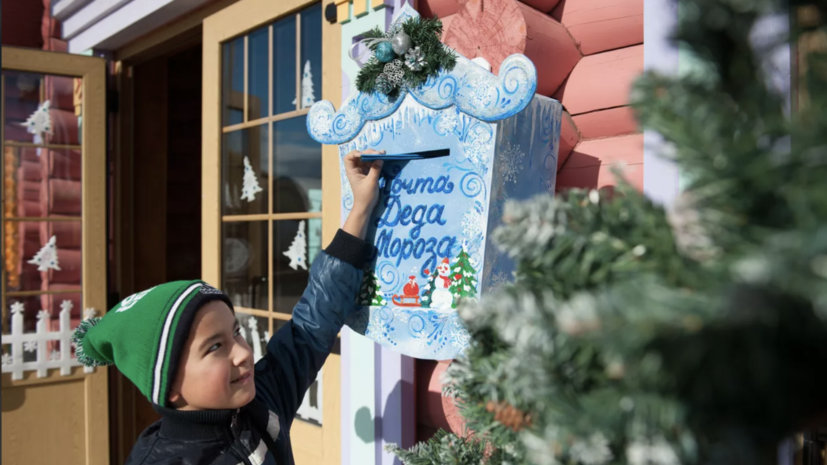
384	52
401	43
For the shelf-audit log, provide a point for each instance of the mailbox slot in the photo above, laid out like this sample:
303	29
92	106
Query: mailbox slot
407	156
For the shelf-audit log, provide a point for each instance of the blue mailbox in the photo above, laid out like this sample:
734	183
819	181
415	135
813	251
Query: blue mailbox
457	148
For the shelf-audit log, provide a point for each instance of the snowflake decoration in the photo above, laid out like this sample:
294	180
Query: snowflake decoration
472	224
16	308
447	122
89	313
242	331
30	346
44	314
7	360
46	258
266	336
415	59
499	279
511	162
66	306
482	92
394	72
477	144
40	121
593	451
253	323
54	356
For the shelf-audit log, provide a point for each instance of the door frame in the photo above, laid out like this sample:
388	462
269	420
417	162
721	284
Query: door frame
92	70
226	24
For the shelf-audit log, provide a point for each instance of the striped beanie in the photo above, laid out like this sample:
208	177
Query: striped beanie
145	334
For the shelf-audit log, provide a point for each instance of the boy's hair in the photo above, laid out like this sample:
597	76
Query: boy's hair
145	334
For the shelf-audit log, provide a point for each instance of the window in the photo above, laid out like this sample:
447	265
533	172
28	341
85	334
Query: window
271	174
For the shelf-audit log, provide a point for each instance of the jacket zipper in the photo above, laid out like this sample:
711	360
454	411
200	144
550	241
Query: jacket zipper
238	451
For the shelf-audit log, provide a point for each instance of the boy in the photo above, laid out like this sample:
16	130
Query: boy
180	344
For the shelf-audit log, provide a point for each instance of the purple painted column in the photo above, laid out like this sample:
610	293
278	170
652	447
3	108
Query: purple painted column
661	180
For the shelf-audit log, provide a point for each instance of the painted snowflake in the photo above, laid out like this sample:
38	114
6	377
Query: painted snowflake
472	224
482	92
459	335
477	144
7	360
498	279
54	356
16	308
448	122
511	161
30	346
44	314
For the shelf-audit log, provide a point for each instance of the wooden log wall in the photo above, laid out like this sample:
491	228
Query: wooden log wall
587	54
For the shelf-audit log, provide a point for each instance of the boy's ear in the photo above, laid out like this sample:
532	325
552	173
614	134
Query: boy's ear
174	398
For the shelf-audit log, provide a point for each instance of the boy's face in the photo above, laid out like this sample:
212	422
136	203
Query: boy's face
216	368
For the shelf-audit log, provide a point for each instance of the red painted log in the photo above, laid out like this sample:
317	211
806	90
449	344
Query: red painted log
29	171
29	190
60	92
64	128
590	164
441	8
601	25
569	137
61	164
433	409
601	81
613	122
446	21
69	261
544	6
68	234
495	29
61	198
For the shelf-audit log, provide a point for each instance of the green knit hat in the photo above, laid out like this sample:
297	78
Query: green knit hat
145	334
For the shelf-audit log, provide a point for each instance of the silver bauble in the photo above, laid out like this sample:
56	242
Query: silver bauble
401	43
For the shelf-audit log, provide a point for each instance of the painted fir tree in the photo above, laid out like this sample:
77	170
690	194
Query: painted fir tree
428	291
370	293
463	277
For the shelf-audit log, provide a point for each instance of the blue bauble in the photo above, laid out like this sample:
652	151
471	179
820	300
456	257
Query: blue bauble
384	52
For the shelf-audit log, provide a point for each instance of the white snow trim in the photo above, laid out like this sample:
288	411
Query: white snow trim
258	456
159	363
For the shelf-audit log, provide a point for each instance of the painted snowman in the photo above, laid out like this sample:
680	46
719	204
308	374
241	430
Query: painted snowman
441	299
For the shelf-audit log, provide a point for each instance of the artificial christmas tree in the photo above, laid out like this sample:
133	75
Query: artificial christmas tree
640	336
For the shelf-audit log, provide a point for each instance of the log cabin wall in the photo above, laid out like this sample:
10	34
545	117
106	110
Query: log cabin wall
587	54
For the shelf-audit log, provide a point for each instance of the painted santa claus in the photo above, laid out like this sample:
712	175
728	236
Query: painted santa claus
441	299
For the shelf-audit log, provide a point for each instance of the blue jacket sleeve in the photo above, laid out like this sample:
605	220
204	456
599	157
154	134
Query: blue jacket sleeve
296	353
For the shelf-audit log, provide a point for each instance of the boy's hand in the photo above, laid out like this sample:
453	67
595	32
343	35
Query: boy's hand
364	182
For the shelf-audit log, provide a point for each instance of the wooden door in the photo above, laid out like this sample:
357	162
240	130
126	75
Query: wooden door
269	191
54	257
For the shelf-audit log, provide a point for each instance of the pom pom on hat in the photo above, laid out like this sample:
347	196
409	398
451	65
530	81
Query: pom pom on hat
78	336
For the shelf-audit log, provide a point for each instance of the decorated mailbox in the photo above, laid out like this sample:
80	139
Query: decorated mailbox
457	147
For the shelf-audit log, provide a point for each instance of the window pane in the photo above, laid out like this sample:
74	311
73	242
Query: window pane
311	54
258	61
284	65
34	263
27	116
255	332
289	248
233	81
244	277
297	167
244	185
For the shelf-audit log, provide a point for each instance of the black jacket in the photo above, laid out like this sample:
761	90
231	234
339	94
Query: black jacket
259	433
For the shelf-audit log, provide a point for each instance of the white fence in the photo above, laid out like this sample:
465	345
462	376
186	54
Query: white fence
39	342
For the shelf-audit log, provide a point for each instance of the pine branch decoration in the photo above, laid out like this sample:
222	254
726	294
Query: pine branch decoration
425	34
